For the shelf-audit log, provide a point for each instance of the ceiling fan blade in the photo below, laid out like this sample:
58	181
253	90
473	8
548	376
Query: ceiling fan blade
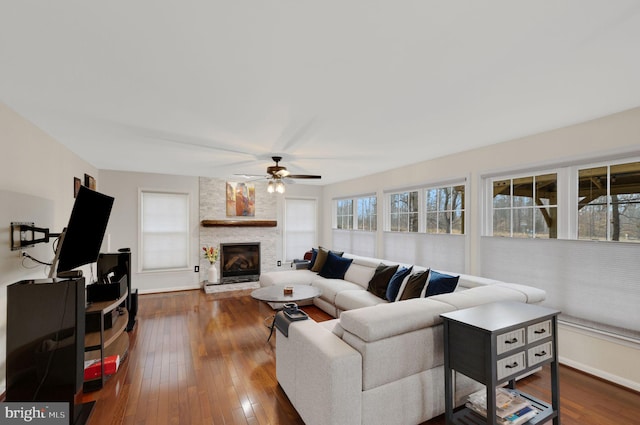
252	176
282	173
304	176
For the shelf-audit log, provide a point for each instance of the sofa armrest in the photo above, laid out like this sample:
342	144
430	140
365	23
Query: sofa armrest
321	374
300	264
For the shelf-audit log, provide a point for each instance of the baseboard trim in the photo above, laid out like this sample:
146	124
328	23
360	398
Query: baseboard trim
171	289
615	379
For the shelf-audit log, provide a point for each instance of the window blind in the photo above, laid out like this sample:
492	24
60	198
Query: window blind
358	242
441	252
164	230
594	284
299	227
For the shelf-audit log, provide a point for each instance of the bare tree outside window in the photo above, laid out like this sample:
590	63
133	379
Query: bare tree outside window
403	210
526	207
609	203
367	213
344	214
445	210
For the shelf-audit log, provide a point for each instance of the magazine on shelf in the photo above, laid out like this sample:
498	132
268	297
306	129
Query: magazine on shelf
511	408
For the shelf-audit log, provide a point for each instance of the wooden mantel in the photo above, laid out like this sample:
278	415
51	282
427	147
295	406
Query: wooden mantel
239	223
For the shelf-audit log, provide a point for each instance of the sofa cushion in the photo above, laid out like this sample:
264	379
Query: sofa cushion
393	289
331	287
380	280
359	273
335	267
415	285
352	299
440	283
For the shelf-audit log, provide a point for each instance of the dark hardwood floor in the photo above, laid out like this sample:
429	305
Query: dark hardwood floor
204	359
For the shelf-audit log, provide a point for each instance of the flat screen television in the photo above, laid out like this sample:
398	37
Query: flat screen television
81	240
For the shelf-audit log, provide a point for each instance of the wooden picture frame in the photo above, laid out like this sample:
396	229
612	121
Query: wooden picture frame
76	186
90	182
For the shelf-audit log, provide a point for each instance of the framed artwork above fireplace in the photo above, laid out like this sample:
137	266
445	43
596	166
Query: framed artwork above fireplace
241	199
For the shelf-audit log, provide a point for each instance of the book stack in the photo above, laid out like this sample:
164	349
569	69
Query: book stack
511	408
93	368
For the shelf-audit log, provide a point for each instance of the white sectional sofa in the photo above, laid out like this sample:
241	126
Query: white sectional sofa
379	362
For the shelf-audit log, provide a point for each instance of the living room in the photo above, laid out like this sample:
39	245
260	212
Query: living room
38	170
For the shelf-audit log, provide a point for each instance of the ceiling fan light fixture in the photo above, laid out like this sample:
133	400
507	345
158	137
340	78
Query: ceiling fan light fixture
279	186
270	187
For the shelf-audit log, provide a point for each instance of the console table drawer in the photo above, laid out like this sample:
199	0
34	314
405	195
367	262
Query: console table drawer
540	353
510	365
539	331
509	341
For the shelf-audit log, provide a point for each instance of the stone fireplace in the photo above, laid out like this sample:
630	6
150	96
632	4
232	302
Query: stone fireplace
238	230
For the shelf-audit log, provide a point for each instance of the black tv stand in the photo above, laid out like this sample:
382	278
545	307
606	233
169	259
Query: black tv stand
45	343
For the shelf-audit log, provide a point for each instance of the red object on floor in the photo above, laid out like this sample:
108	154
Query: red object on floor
92	368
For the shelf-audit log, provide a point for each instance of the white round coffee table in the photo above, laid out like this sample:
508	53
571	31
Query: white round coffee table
276	294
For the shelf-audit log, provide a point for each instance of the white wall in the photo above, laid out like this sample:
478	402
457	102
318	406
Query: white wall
36	184
269	206
123	228
617	135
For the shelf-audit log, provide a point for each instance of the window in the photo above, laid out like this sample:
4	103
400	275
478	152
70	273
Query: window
367	213
356	225
526	207
299	227
609	203
344	215
164	230
445	210
404	212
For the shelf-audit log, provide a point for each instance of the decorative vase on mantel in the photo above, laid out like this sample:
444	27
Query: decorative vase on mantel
212	274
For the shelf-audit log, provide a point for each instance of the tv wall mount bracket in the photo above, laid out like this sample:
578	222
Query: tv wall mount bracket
23	234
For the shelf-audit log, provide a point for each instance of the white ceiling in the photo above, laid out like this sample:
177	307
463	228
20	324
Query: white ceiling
339	88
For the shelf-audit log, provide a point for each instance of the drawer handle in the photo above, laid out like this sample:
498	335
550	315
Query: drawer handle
512	365
511	341
540	331
540	354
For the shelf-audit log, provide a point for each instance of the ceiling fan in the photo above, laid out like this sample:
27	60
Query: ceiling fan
277	174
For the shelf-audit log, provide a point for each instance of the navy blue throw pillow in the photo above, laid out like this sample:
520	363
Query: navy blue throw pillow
314	254
440	283
335	267
396	282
